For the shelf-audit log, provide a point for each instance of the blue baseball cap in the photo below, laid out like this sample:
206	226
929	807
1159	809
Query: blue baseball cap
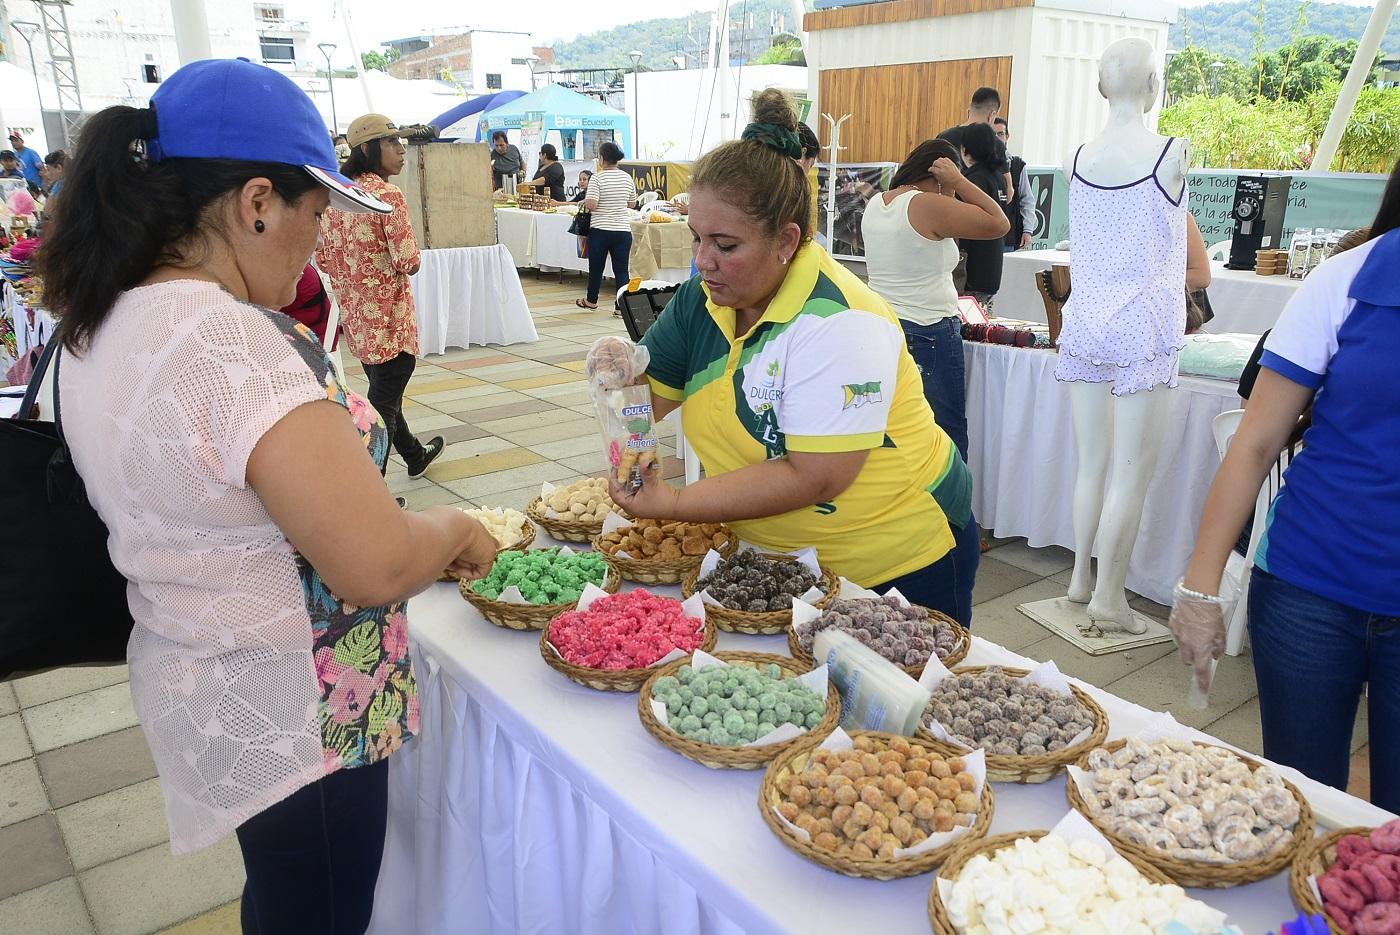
232	108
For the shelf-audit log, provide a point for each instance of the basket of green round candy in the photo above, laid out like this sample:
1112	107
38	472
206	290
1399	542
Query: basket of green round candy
525	590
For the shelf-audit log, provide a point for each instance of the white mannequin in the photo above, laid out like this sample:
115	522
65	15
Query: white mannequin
1125	428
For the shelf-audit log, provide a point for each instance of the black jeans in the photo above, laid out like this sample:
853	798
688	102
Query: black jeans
387	382
313	858
947	584
601	244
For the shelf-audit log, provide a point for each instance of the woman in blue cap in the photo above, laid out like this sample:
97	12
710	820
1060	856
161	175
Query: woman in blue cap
268	562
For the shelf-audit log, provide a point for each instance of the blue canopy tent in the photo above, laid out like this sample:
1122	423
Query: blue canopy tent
461	122
565	112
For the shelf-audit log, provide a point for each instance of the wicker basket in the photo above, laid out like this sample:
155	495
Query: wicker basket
527	536
1030	769
959	653
526	616
719	757
795	760
565	530
1196	873
610	680
1313	859
938	913
766	623
663	570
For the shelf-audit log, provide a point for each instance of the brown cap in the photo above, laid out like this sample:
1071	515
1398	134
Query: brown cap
371	127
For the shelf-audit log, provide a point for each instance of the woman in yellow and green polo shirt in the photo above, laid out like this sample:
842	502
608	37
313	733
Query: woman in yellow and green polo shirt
799	395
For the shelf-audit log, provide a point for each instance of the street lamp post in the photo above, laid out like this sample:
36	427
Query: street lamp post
1215	69
326	49
533	62
27	32
636	57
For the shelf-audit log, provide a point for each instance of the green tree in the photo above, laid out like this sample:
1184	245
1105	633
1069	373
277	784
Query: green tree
1304	67
787	51
375	60
1191	72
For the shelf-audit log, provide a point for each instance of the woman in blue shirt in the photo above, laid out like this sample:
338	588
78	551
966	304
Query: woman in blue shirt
1324	598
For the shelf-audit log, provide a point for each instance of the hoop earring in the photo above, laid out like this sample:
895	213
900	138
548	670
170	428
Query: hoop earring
259	226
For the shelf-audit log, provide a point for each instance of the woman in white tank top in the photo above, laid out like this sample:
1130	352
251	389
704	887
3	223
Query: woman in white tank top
910	251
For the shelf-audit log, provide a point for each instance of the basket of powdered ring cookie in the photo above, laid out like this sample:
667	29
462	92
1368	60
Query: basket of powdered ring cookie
1204	815
1352	877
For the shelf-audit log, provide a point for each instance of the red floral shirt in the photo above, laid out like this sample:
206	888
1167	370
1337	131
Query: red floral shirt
368	258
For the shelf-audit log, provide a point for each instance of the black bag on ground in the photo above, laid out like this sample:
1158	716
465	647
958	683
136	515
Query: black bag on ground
64	602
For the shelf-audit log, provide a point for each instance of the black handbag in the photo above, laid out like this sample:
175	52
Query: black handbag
582	223
64	602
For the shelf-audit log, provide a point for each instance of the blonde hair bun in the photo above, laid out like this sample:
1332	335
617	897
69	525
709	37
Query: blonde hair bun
774	106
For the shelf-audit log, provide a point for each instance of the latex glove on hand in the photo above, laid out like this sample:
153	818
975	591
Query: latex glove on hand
613	363
1198	625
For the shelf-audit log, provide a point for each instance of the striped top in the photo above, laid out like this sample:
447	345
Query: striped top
614	190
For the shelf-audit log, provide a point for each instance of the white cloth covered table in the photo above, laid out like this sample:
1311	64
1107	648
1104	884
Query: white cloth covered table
530	805
470	295
540	240
1242	301
1021	452
515	230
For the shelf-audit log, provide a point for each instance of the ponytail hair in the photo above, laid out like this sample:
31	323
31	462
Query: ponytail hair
121	216
915	167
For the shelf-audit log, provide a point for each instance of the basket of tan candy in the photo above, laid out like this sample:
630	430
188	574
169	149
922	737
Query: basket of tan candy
653	551
573	512
1203	815
752	592
511	529
1031	723
737	710
876	805
615	642
1069	879
1352	877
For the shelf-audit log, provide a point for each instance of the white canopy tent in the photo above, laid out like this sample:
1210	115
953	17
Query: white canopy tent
404	101
21	108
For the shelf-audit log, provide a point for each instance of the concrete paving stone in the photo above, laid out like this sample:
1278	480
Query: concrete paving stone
484	444
556	393
567	357
516	499
590	463
484	485
466	353
35	690
551	379
528	420
222	921
434	495
995	578
8	703
21	792
55	908
152	889
1096	670
1240	728
400	483
115	824
31	854
1044	561
499	373
479	362
998	619
14	744
554	430
569	447
79	717
92	767
474	465
508	410
435	423
1359	784
1151	608
494	396
434	398
1161	686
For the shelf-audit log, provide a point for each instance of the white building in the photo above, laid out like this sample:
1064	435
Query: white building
480	60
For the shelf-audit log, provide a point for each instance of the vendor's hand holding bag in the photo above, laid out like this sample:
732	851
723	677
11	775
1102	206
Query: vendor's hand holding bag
61	600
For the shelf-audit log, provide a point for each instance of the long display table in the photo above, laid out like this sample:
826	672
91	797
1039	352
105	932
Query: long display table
530	805
539	240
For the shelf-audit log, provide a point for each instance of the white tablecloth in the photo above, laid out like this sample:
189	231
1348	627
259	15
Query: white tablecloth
470	295
1242	301
533	806
1022	455
542	241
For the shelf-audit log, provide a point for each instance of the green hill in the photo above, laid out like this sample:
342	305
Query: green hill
660	40
1231	27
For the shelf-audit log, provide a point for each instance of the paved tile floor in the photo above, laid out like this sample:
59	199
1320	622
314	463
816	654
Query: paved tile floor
83	843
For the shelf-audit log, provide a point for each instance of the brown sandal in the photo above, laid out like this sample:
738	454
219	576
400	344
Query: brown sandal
582	304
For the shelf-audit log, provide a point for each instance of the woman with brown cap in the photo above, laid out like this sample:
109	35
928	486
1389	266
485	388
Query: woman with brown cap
369	259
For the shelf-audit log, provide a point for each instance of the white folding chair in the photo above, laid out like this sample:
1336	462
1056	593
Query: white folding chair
683	449
646	198
1219	251
1224	427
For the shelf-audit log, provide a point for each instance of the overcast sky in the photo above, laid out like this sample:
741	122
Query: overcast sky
547	19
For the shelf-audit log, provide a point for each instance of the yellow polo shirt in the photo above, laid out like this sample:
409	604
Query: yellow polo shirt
825	369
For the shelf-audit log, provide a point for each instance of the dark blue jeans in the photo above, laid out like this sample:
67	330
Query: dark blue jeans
946	585
937	350
313	858
1312	656
601	245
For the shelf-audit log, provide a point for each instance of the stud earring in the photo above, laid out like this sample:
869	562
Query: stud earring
259	226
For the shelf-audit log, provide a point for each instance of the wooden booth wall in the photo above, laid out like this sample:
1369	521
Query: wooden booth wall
894	108
900	11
